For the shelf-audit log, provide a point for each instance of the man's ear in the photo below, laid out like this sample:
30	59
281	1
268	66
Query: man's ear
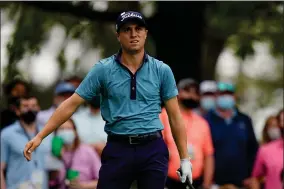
146	34
117	36
17	111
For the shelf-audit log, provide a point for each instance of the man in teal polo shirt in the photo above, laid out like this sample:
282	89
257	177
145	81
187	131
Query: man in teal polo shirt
132	85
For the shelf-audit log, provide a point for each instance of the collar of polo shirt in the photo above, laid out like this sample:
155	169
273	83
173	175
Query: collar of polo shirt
118	56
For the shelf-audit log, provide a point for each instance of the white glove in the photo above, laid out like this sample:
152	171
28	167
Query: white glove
186	169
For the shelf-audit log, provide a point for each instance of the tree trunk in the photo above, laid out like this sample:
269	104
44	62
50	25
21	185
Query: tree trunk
177	31
211	49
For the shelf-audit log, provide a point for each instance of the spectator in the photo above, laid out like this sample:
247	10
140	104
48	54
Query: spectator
280	118
91	126
74	80
77	157
208	91
21	173
62	91
233	138
12	90
269	162
271	130
199	140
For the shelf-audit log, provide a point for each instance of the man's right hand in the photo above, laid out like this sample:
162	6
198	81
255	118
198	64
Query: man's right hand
31	146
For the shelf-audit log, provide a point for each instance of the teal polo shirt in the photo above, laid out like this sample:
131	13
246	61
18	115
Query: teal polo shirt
131	103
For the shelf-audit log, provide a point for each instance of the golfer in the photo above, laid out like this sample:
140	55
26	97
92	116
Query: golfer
132	85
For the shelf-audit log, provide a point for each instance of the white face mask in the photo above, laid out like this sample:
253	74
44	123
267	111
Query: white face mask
68	136
274	133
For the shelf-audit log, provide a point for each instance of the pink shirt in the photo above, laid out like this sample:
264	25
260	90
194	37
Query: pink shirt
269	163
85	160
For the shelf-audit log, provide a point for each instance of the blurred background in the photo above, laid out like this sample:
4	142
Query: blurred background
239	42
45	43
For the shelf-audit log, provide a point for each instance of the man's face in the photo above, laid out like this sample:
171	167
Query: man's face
208	101
19	90
189	93
189	97
132	37
226	100
26	105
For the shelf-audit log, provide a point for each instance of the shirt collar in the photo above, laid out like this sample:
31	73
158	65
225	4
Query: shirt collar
20	129
228	120
118	56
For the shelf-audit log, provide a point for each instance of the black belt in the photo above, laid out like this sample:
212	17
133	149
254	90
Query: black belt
135	139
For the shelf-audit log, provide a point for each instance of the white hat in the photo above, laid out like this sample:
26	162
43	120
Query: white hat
208	86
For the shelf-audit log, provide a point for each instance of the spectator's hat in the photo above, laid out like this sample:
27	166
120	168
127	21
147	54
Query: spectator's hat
64	87
208	86
226	87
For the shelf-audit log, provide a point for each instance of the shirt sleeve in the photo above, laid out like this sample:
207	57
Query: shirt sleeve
4	148
92	83
207	145
168	83
258	169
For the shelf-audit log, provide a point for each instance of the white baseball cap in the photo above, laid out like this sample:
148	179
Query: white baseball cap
208	86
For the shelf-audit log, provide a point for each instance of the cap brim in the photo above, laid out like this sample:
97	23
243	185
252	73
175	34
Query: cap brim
134	20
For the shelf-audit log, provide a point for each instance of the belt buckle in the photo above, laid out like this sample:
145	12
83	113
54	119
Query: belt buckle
132	137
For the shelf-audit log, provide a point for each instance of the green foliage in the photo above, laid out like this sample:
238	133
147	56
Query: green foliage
244	23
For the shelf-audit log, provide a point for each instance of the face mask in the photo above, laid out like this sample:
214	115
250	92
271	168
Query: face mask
207	103
225	102
68	136
190	103
274	133
29	116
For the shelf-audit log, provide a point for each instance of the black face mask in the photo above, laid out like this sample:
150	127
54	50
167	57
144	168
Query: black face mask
29	116
190	103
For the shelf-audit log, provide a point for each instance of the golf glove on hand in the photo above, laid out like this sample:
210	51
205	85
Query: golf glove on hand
186	169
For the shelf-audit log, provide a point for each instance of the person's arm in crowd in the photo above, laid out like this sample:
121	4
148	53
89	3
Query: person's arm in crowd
258	170
208	171
208	160
3	182
252	147
4	156
99	146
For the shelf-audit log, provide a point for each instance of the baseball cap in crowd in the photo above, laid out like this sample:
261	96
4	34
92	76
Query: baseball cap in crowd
64	87
208	86
226	87
130	16
187	83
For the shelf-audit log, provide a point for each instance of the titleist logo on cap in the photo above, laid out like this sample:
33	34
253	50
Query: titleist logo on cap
127	15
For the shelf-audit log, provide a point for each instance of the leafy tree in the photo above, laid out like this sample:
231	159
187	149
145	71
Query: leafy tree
189	36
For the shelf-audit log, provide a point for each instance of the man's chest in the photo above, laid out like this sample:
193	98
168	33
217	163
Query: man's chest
222	131
143	86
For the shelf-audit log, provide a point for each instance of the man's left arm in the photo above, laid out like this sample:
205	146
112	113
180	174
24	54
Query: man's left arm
168	94
177	126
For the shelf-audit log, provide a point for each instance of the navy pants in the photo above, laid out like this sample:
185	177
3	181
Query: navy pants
124	163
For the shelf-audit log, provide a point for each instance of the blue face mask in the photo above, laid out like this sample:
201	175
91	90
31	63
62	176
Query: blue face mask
225	102
207	103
